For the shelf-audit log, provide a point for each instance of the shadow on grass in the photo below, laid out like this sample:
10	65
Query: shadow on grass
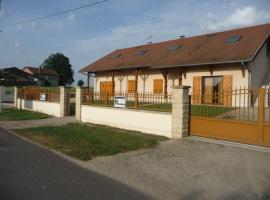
12	114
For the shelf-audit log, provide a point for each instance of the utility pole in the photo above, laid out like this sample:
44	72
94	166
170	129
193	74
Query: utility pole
0	13
1	97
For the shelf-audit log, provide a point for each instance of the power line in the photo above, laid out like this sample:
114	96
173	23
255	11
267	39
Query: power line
53	14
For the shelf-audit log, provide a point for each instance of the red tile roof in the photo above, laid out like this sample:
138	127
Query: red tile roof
197	50
43	71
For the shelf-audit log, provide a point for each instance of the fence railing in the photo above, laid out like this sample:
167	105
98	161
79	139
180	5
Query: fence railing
39	94
140	100
237	104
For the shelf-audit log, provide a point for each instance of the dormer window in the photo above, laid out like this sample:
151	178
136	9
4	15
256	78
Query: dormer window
174	47
140	53
232	39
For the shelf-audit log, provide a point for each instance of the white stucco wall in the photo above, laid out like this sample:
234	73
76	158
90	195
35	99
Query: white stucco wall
173	78
237	82
144	121
49	108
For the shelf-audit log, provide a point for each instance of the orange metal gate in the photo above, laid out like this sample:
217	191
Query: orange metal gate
246	120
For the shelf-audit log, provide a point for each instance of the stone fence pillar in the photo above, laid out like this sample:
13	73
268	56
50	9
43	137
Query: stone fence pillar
78	103
17	100
180	111
63	102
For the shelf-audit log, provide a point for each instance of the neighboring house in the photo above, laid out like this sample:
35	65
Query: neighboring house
47	77
208	63
16	77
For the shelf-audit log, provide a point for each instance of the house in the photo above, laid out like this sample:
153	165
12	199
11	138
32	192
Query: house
47	77
16	77
208	63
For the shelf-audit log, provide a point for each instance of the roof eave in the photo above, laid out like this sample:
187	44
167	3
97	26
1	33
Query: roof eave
203	64
260	47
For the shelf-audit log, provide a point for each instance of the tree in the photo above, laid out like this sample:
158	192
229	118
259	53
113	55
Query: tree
80	83
60	63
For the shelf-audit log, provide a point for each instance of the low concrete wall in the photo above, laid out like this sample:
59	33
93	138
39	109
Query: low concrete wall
144	121
50	108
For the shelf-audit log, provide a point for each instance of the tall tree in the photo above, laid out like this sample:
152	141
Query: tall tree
81	83
61	65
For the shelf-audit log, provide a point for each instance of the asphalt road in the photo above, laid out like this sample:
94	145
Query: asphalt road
28	172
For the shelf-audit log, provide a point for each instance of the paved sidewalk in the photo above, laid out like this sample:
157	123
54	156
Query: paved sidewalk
54	121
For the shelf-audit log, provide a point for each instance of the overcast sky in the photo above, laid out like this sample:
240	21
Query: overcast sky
86	35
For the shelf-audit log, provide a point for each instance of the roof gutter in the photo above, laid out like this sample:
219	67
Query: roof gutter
198	64
117	69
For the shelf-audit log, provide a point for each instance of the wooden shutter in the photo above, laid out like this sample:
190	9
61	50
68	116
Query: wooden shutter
227	90
131	86
105	88
196	93
109	88
158	86
102	87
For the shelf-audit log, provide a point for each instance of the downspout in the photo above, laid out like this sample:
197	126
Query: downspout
245	66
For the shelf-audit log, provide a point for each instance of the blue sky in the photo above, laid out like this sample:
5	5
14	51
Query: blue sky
86	35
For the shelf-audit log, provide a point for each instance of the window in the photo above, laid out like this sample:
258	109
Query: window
158	86
140	53
131	86
212	89
232	39
174	47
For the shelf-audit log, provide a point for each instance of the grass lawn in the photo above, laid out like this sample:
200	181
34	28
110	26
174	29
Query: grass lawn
208	111
162	107
11	114
196	110
88	141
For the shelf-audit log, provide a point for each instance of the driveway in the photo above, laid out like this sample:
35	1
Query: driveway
29	172
186	169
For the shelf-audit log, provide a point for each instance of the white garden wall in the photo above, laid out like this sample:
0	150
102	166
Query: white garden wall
144	121
50	108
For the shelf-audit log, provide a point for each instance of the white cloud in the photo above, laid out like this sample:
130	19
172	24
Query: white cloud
240	17
33	24
71	16
59	23
17	44
19	26
165	26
